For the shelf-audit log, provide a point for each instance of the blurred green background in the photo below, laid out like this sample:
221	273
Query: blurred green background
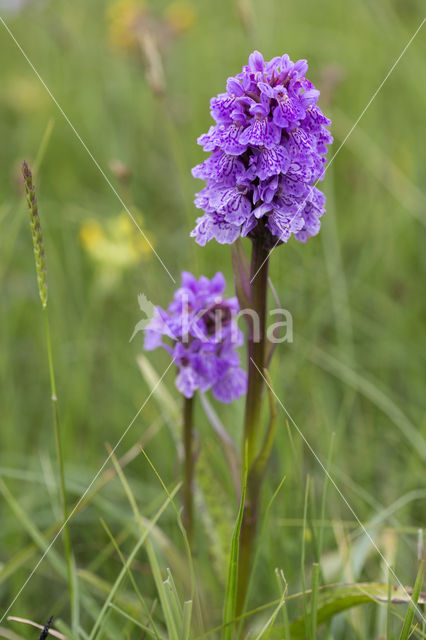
356	292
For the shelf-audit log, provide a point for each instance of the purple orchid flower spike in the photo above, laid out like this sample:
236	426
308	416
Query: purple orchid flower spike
268	147
200	332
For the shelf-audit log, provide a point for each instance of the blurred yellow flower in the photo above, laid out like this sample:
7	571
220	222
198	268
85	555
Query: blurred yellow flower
130	21
124	19
180	15
91	234
115	244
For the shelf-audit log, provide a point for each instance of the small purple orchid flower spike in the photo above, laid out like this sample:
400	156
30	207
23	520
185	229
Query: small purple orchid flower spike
200	332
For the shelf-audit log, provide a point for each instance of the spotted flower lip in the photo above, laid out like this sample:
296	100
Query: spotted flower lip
267	155
200	332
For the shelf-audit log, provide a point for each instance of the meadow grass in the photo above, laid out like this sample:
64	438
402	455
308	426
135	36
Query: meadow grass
354	374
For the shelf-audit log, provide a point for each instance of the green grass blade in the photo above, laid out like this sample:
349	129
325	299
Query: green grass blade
302	558
165	400
124	570
136	622
389	607
179	519
336	599
371	391
324	498
52	556
155	567
272	618
228	444
132	580
262	533
172	597
186	622
75	607
282	585
82	634
314	599
194	593
232	582
412	606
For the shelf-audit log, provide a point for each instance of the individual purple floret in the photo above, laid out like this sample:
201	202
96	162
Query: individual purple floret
267	154
200	332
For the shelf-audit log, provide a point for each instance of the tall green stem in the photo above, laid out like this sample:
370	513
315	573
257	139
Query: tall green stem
41	271
256	348
60	459
252	427
188	478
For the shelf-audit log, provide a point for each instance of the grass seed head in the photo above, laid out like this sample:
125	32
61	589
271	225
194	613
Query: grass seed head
38	245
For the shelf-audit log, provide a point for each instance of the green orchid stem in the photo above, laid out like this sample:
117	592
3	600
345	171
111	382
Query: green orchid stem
60	459
253	409
188	479
256	348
